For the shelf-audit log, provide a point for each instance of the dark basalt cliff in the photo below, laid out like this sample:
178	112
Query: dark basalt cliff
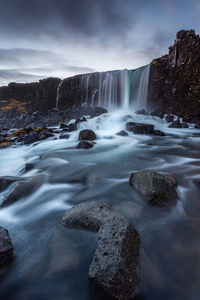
174	85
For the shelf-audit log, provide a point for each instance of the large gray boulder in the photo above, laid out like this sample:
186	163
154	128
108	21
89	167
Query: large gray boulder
114	267
6	248
156	188
87	215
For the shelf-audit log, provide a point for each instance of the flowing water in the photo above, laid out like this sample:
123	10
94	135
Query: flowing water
51	261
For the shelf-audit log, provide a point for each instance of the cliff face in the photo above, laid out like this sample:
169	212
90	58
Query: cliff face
32	96
174	85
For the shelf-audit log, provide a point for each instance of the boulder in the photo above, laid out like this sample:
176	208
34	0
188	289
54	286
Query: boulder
158	114
83	119
122	133
156	188
6	248
88	215
115	262
85	145
139	128
87	135
169	118
159	133
175	124
140	112
72	127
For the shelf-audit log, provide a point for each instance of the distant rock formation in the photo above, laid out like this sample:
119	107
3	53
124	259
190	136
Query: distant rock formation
174	85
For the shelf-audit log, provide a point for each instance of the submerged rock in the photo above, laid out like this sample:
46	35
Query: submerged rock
169	118
156	188
6	181
6	248
139	128
115	262
159	133
64	136
175	124
87	135
122	133
85	145
88	215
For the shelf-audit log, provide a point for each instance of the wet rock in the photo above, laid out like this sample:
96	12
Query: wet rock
87	134
64	136
6	248
140	112
139	128
72	127
158	114
184	125
63	125
85	145
83	119
197	126
31	139
6	181
88	215
97	111
159	133
175	124
115	262
22	189
169	118
28	167
122	133
156	188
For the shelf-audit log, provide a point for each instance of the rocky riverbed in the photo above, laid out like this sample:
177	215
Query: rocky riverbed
148	180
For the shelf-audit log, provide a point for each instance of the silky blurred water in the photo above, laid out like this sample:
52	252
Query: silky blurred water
51	261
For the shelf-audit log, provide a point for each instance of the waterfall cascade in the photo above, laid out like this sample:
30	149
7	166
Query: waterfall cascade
125	88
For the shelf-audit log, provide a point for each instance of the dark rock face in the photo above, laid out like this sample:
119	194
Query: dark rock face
122	133
36	96
115	262
138	128
87	135
6	248
174	85
88	215
157	189
85	145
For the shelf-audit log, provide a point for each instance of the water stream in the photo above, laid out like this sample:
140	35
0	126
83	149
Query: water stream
51	262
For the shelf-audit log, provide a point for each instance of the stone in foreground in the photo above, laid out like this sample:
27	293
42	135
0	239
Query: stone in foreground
156	188
88	215
87	135
114	268
6	248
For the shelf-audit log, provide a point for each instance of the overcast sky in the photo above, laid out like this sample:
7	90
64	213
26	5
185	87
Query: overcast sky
61	38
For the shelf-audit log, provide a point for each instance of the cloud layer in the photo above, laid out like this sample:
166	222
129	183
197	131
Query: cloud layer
67	37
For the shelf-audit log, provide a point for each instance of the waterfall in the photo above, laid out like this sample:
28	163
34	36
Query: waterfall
139	87
126	89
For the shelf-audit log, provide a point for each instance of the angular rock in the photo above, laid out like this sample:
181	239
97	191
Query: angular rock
64	136
139	128
175	124
140	112
122	133
156	188
115	262
6	248
169	118
159	133
88	215
85	145
87	135
6	181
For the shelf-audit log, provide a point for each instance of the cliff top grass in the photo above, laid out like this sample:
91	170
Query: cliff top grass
9	104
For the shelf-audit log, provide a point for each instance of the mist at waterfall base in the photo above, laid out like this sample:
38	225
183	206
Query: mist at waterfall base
51	261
